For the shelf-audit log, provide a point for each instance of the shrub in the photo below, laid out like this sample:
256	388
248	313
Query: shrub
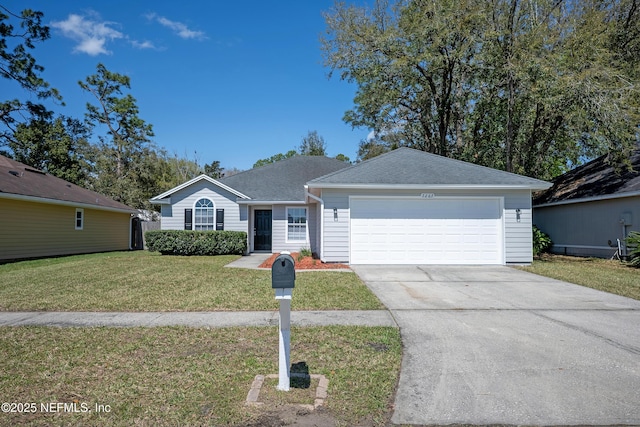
187	242
541	242
304	252
633	247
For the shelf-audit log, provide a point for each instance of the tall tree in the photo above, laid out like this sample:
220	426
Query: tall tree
127	160
18	35
312	145
410	64
59	147
527	86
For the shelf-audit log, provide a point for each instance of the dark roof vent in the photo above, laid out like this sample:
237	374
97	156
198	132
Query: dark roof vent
15	173
35	171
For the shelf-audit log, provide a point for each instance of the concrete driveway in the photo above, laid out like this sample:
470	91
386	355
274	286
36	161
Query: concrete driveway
495	345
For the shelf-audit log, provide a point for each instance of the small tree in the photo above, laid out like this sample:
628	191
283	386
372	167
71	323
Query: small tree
312	145
541	242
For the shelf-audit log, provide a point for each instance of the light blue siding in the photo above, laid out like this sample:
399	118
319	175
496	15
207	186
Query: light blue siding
279	240
517	234
586	228
172	216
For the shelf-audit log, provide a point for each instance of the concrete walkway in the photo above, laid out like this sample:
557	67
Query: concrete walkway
201	319
251	261
215	319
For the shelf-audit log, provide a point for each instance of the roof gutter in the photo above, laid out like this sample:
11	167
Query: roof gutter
589	199
270	202
319	200
542	186
24	198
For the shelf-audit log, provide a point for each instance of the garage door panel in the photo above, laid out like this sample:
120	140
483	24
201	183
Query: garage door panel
440	231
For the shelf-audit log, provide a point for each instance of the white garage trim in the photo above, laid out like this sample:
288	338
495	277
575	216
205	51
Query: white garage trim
426	230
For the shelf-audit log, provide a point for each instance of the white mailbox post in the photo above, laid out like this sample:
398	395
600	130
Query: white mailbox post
283	278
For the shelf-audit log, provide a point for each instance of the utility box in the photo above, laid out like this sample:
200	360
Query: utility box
283	273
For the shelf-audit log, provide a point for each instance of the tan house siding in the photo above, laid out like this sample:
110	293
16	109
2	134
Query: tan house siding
30	229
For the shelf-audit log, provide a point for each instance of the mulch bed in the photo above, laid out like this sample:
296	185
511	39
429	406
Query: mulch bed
305	263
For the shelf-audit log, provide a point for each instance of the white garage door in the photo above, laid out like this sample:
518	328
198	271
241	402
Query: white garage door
426	231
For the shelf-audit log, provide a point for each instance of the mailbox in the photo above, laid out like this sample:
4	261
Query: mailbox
283	273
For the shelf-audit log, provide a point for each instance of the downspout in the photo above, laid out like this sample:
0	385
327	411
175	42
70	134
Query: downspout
130	231
318	199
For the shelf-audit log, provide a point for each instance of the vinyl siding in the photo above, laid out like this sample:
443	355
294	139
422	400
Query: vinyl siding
517	235
584	229
336	233
172	216
518	238
279	241
31	230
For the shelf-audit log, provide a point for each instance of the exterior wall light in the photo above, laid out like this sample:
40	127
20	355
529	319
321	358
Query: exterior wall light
518	212
335	214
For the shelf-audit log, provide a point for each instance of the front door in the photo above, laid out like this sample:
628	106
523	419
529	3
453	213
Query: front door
262	230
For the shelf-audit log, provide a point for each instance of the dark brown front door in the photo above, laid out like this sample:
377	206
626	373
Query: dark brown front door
262	230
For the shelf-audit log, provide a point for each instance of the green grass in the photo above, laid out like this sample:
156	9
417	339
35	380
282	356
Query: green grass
143	281
605	275
187	376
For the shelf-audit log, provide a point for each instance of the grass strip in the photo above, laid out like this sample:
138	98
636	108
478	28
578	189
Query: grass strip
187	376
605	275
143	281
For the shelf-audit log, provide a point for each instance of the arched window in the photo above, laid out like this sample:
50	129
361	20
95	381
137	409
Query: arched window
204	215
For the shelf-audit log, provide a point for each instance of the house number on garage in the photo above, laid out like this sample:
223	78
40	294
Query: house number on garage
427	195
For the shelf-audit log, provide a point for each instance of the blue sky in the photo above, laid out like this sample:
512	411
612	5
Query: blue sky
228	81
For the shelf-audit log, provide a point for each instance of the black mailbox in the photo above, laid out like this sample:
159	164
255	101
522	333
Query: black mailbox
283	273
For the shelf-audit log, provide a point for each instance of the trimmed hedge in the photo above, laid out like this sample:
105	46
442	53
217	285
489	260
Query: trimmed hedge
187	242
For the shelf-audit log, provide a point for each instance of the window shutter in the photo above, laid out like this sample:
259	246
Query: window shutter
219	219
188	219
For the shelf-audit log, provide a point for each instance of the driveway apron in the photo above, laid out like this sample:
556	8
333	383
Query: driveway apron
496	345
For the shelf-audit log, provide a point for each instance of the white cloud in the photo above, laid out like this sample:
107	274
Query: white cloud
178	27
92	36
143	45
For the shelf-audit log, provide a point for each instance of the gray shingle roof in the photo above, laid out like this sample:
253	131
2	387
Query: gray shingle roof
283	180
406	166
593	179
18	179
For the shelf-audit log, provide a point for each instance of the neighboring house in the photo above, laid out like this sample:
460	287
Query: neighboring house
403	207
41	216
589	209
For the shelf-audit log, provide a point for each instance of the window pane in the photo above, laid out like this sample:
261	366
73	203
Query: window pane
297	220
204	215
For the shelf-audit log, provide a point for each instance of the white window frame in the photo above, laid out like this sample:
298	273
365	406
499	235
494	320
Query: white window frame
209	226
79	218
298	225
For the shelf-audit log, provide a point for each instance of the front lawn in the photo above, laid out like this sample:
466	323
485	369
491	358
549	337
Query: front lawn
605	275
144	281
187	376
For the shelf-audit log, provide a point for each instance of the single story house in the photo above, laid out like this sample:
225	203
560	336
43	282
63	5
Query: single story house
591	209
403	207
42	215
